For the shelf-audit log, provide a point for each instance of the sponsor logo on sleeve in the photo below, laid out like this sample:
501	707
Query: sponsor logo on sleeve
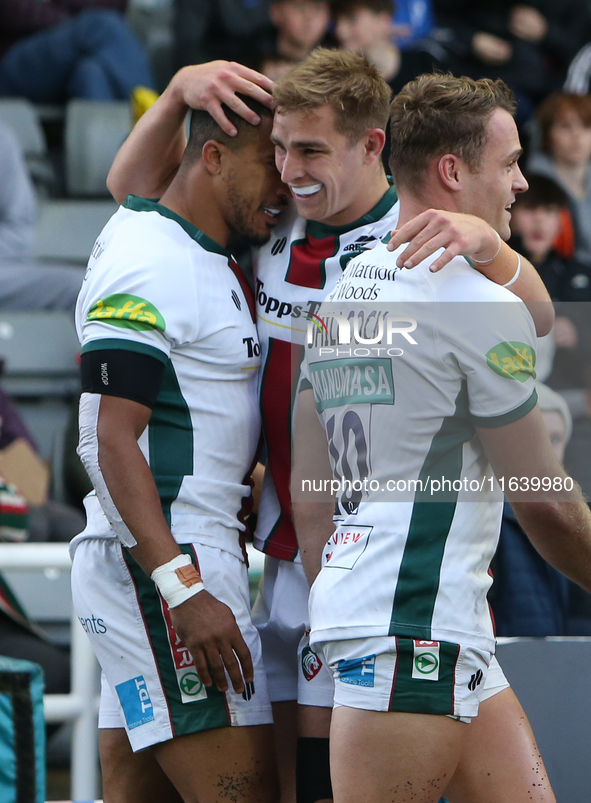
135	701
128	312
425	662
513	360
357	672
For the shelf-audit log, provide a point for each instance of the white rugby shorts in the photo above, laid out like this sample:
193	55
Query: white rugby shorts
151	687
392	673
280	613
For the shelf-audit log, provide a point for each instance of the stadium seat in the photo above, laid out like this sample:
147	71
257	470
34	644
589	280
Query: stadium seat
551	679
41	375
20	115
67	229
94	133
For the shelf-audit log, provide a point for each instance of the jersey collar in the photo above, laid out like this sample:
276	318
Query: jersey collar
321	230
137	204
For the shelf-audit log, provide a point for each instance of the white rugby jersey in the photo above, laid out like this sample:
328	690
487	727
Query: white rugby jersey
410	557
294	273
155	284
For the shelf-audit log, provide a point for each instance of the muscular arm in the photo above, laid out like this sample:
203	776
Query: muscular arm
312	511
206	626
149	158
557	522
473	238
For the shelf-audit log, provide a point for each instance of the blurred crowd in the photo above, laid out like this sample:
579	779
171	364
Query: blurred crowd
51	52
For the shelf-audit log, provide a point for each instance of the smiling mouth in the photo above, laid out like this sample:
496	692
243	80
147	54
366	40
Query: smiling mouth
305	192
272	211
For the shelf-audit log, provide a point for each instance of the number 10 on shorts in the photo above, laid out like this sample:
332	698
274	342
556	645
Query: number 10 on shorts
425	660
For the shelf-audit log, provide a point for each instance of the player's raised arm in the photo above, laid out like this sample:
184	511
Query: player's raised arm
472	237
548	504
312	509
205	625
149	158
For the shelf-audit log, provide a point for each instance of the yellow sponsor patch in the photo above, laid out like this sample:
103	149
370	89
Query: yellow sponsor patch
127	311
513	360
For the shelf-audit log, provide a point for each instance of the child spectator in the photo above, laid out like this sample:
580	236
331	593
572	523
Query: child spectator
366	27
536	223
565	128
300	26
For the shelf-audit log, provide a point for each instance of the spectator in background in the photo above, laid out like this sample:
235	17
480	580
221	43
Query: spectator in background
300	25
565	128
205	30
528	45
366	28
529	597
24	284
60	49
536	222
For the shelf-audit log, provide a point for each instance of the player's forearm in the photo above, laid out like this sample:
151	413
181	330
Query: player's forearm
149	158
132	488
528	286
314	526
561	533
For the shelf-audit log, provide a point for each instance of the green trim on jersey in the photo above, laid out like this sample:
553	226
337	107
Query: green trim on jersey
322	230
429	527
170	437
137	204
510	417
305	384
190	717
422	696
117	344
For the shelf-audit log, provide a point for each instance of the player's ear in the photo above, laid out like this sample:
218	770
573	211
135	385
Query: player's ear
375	140
212	154
450	170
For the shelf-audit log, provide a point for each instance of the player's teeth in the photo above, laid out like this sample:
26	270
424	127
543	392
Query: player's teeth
309	190
270	211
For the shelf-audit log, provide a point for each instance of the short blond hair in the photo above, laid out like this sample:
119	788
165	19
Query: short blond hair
347	83
437	114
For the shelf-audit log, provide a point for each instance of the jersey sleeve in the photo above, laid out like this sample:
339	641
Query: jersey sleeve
493	344
139	302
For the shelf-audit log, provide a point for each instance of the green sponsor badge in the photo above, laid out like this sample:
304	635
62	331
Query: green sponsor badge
129	312
513	360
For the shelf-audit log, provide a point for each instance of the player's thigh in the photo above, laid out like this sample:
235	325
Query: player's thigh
378	756
235	764
501	760
130	777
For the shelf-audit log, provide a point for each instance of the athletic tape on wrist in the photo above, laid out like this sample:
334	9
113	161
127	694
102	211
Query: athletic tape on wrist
487	261
177	580
516	274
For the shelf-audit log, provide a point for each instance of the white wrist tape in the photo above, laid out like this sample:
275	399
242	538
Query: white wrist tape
516	274
177	580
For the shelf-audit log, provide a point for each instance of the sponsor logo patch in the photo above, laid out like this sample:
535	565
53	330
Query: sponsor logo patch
190	686
135	701
128	312
425	660
358	671
311	663
475	680
513	360
349	381
346	546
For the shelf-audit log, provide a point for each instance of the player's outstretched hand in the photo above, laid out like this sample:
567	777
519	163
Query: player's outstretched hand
208	629
207	86
457	233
